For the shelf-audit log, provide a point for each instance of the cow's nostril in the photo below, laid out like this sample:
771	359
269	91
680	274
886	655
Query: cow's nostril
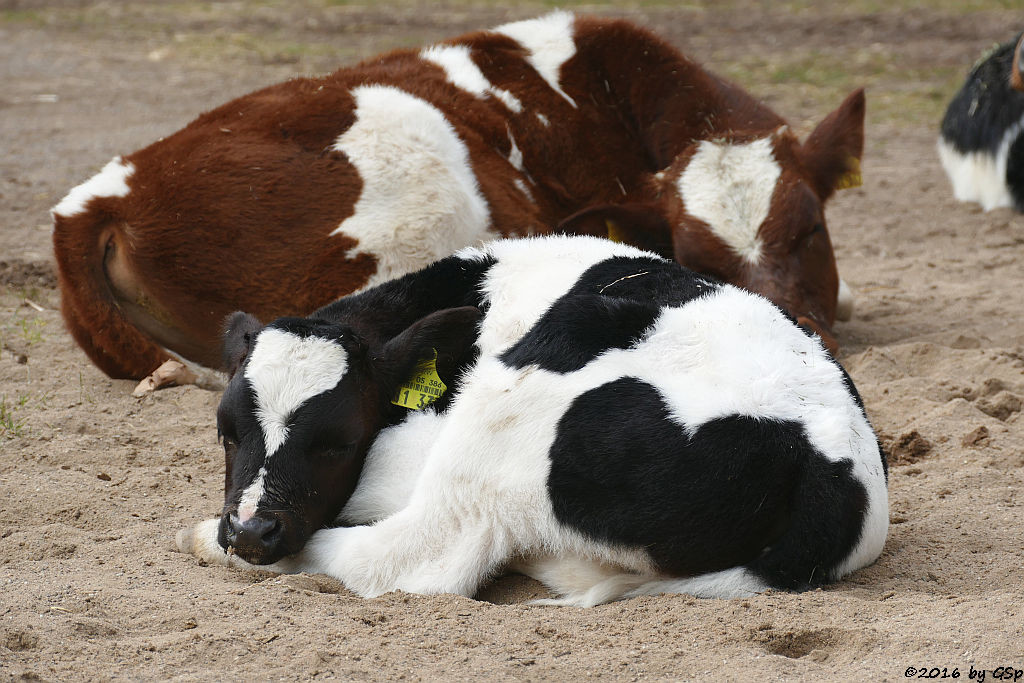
255	532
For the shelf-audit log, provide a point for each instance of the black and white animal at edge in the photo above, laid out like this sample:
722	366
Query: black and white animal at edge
614	425
981	145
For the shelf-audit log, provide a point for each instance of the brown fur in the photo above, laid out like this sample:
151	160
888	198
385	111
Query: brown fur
234	211
1017	72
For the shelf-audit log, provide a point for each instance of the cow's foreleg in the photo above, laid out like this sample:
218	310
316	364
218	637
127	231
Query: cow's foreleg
416	550
201	541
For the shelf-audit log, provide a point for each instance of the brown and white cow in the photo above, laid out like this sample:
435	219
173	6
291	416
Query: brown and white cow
284	199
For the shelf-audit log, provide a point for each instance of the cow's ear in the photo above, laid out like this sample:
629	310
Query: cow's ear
833	151
450	333
640	225
240	331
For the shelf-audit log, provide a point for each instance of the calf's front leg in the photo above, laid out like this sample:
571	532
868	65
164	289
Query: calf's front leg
402	552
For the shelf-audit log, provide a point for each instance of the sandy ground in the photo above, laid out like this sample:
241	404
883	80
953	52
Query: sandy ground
94	483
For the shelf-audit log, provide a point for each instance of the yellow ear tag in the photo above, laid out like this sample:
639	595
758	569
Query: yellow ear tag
614	232
423	387
852	176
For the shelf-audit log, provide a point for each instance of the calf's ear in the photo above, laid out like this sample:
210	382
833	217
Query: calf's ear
832	152
450	332
240	330
640	225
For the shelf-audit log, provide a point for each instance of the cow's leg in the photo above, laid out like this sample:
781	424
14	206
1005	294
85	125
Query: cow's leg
423	549
418	550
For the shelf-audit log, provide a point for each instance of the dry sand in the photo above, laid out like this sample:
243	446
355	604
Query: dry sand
94	483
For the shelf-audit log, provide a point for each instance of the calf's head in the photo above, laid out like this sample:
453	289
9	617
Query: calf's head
306	399
748	207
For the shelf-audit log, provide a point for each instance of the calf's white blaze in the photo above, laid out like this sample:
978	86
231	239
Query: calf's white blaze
420	199
284	371
462	72
730	187
111	181
550	44
980	176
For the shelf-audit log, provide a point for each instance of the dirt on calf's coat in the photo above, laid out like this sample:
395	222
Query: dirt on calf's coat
611	422
286	198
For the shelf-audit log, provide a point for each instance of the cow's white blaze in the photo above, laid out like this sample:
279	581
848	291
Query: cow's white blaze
111	181
462	72
980	176
550	44
420	199
729	187
284	371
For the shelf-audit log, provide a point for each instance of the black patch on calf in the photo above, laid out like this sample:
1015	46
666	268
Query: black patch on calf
740	491
389	308
610	307
986	106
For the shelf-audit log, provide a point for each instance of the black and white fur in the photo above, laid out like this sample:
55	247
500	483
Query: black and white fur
981	145
616	426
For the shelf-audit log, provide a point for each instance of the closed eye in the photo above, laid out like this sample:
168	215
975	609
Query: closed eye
334	452
816	231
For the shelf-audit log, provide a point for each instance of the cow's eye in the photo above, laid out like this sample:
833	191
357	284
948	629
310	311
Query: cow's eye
335	452
814	233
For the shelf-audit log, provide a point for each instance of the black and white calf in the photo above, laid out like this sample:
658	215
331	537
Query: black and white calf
981	145
613	425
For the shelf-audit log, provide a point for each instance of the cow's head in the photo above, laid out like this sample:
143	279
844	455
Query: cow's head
748	208
306	399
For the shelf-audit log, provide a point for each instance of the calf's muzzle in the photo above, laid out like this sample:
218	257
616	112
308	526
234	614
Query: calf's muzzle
256	540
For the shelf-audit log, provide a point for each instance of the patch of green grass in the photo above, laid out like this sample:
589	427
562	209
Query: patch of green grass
21	16
897	92
267	49
31	330
11	426
28	330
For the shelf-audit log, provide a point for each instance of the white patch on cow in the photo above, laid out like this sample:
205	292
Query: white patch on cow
549	40
980	176
250	499
522	187
537	281
844	302
462	72
543	120
730	187
735	582
111	181
284	371
420	199
515	155
392	466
